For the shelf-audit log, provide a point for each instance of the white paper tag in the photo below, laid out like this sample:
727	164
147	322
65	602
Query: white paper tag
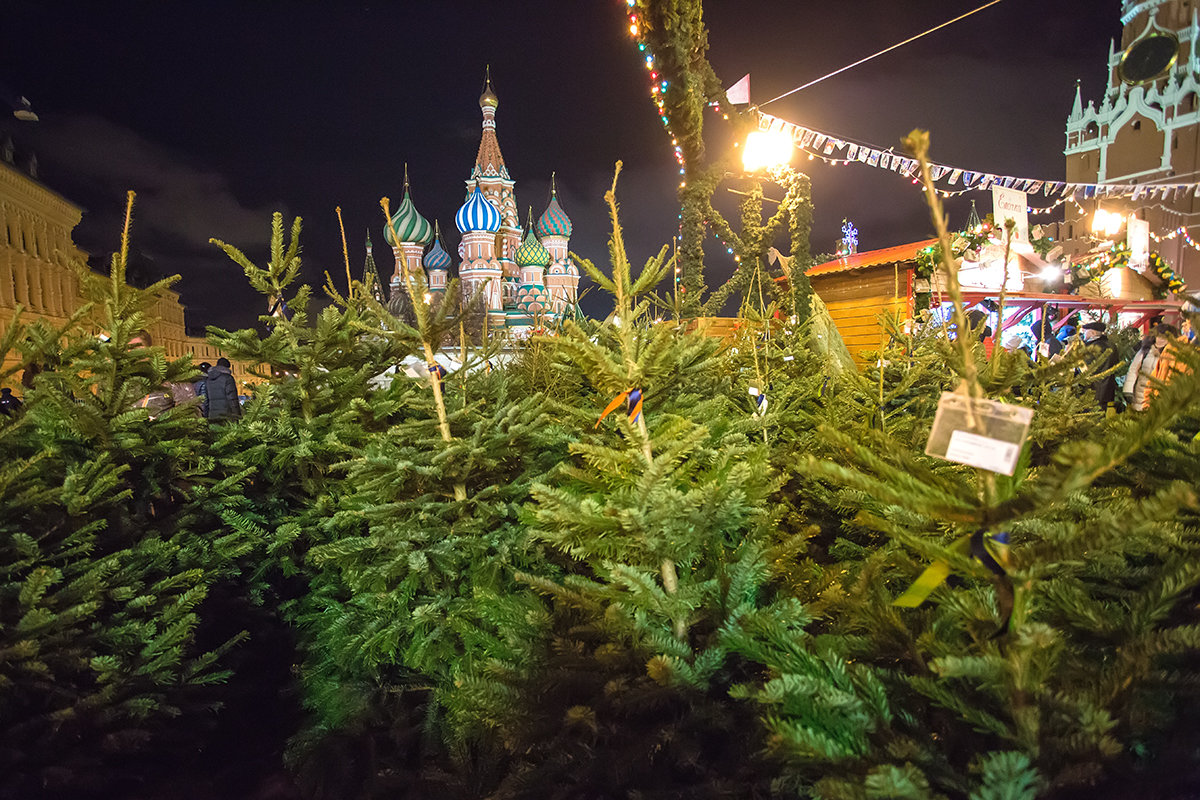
983	452
979	433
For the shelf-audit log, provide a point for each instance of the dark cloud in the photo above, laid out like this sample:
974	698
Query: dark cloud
178	202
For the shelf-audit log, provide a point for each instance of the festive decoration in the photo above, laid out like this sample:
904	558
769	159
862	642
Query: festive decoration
819	144
965	245
1118	257
848	244
633	406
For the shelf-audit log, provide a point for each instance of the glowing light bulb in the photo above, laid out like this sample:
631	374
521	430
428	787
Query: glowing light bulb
767	149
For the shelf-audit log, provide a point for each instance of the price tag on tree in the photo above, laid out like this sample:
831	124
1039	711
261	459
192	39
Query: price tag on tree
979	433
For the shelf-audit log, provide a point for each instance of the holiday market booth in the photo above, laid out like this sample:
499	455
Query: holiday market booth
859	288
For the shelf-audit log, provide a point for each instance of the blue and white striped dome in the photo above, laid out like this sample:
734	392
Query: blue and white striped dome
437	257
477	214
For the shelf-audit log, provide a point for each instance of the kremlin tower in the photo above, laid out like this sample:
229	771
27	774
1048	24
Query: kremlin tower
522	283
1144	130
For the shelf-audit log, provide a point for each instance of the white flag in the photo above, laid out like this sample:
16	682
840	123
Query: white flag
739	93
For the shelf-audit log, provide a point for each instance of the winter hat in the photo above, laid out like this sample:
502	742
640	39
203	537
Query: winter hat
222	362
1094	326
1166	329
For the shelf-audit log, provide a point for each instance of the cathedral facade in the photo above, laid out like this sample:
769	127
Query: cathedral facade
524	277
1145	130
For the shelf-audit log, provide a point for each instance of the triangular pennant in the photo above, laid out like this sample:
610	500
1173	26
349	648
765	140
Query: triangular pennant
739	93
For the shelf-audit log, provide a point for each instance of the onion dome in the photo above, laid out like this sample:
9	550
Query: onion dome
477	214
554	221
488	98
532	253
437	257
406	225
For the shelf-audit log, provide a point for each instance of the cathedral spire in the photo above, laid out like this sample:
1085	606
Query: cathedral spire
1077	110
489	163
371	279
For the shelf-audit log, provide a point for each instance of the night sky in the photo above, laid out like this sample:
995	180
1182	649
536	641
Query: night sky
218	114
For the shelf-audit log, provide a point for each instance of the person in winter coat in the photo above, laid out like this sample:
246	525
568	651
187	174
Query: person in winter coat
10	406
1145	365
1105	388
202	388
221	390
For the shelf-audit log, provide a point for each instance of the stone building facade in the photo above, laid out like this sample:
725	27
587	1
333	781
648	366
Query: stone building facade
36	253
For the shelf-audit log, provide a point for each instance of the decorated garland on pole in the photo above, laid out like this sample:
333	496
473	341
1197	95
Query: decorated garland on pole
1117	257
966	244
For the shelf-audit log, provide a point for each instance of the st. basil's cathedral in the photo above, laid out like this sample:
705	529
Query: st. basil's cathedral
524	282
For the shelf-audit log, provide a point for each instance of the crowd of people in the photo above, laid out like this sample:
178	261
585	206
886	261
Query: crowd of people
214	396
1153	362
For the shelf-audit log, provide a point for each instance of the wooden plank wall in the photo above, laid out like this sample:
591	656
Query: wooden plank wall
856	299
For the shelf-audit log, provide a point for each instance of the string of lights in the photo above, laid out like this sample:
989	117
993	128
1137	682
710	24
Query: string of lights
658	84
1175	234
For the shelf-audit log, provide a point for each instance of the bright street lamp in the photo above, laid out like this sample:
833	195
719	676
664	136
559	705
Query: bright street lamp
767	150
1107	223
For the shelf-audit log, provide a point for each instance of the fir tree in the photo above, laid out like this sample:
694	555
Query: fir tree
660	546
1042	676
110	540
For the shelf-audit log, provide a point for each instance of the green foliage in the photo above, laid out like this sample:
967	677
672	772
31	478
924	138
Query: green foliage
110	543
490	593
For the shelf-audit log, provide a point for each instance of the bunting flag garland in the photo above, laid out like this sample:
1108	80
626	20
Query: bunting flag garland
817	144
633	406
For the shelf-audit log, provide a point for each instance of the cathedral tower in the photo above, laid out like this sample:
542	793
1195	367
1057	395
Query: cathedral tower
554	229
491	176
